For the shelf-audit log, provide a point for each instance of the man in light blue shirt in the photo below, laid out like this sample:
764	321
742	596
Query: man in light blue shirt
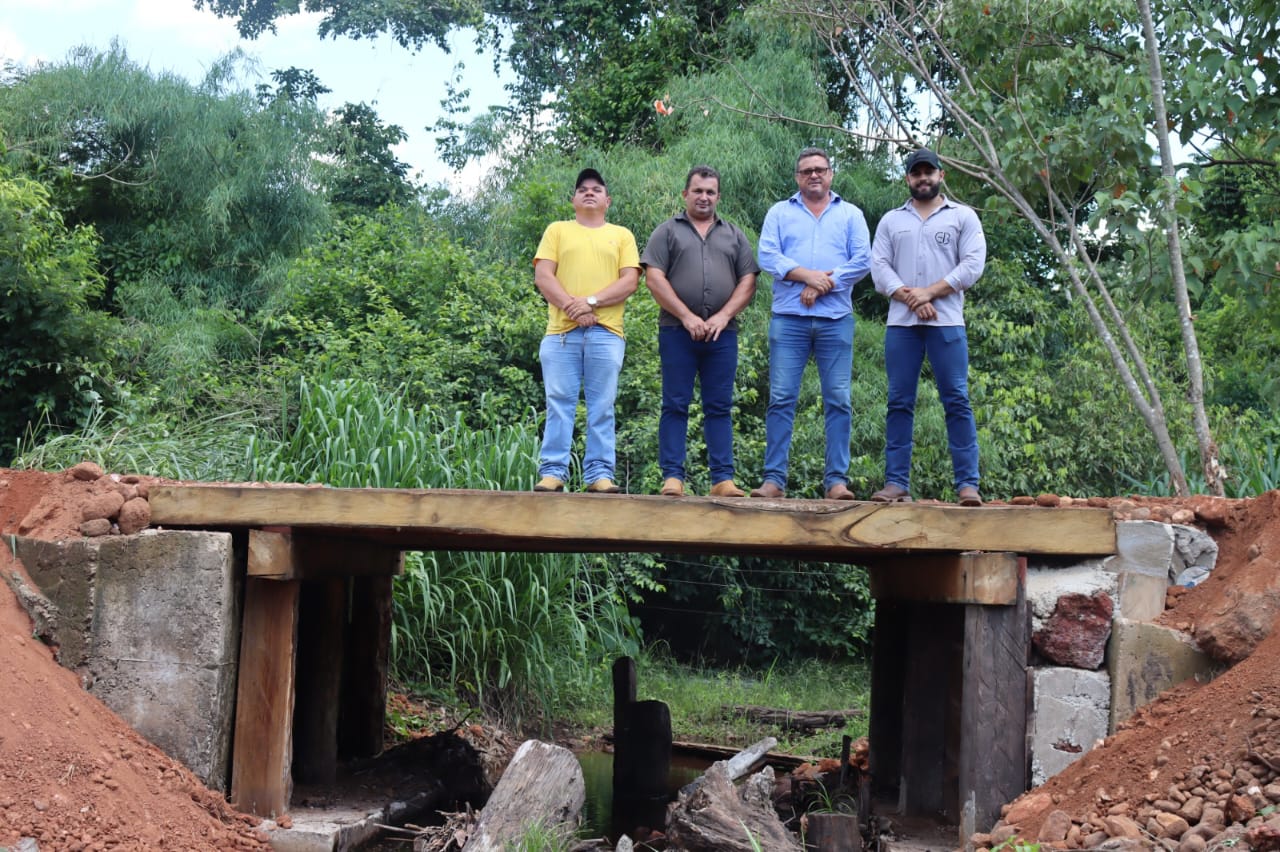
816	246
926	254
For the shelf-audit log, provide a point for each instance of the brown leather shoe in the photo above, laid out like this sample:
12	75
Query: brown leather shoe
840	491
969	496
672	487
769	489
549	483
603	486
892	493
727	488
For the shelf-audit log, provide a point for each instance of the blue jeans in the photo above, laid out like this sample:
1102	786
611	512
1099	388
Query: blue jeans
948	349
714	363
585	360
792	340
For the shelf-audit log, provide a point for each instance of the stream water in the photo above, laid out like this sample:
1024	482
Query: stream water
602	817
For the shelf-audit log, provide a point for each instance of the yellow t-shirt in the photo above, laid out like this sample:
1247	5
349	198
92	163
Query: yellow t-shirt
587	260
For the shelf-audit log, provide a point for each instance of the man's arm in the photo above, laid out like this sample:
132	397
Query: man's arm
576	308
620	289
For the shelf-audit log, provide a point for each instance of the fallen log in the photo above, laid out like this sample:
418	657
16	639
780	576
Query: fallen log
712	815
542	786
792	720
738	765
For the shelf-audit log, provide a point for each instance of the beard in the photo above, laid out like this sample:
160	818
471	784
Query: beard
925	192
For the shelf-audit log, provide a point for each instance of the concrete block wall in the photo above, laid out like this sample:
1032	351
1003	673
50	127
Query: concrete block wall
1073	707
150	622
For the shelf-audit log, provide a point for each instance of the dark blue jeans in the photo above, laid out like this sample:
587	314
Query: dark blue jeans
714	363
948	349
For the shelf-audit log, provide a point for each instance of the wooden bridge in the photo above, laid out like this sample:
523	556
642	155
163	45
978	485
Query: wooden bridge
952	638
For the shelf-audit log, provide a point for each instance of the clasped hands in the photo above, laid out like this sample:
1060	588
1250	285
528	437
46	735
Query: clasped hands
919	300
705	330
580	312
816	284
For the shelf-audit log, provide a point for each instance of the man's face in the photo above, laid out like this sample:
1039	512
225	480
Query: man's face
590	196
813	176
701	198
924	182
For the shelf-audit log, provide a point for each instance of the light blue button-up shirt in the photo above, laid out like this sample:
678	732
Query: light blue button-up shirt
913	252
837	241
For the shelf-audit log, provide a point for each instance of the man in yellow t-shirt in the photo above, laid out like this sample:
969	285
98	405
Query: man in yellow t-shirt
585	268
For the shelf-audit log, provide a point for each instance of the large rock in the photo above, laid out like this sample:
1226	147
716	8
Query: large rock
1077	632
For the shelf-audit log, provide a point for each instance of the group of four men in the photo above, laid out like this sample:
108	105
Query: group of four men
702	272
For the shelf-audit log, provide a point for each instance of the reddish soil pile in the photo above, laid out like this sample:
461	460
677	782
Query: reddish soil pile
72	774
75	777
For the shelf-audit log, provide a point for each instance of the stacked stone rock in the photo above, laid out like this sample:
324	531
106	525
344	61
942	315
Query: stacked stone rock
1216	804
123	510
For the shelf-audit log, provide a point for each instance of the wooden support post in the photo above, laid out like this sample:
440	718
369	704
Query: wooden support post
888	678
993	715
932	678
261	780
321	629
368	658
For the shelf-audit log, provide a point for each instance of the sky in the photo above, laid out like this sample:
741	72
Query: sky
172	35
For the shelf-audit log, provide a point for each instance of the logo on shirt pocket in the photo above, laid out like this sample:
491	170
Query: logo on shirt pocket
942	238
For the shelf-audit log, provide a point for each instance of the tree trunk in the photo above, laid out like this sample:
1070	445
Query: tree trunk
543	786
1195	372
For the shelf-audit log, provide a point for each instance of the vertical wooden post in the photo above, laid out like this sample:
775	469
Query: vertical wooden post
321	629
368	655
994	708
888	677
261	780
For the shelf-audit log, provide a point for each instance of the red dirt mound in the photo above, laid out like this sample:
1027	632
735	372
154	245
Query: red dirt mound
72	774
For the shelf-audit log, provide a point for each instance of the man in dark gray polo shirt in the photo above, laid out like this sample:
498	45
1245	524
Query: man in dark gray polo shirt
701	270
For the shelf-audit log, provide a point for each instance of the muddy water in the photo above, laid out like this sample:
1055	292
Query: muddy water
602	817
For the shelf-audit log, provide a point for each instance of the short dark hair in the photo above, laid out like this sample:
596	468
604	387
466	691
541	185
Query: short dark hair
702	172
812	152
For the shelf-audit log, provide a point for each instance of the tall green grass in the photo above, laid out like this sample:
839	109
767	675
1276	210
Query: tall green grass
509	631
201	449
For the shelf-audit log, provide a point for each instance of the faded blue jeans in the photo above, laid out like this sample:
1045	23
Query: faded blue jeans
586	361
947	346
792	341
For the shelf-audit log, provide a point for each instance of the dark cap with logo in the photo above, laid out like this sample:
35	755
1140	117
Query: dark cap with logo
589	174
924	155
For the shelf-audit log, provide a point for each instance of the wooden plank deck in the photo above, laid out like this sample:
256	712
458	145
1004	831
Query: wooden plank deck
523	521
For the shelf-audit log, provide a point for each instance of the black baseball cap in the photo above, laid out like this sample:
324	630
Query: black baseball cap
924	155
589	174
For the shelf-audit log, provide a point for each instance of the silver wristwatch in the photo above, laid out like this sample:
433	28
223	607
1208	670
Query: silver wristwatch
592	301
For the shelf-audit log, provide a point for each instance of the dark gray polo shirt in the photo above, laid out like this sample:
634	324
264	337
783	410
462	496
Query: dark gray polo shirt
703	273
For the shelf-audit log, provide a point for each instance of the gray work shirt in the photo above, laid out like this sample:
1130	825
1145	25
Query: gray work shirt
912	252
703	273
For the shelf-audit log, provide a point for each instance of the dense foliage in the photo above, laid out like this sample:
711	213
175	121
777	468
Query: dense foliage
217	281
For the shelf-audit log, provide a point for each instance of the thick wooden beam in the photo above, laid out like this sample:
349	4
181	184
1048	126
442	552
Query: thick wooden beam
262	753
282	553
964	578
516	521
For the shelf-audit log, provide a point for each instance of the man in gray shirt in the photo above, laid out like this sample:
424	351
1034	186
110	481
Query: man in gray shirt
926	253
702	271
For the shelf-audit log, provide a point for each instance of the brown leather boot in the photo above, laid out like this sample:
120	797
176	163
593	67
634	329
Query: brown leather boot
727	488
